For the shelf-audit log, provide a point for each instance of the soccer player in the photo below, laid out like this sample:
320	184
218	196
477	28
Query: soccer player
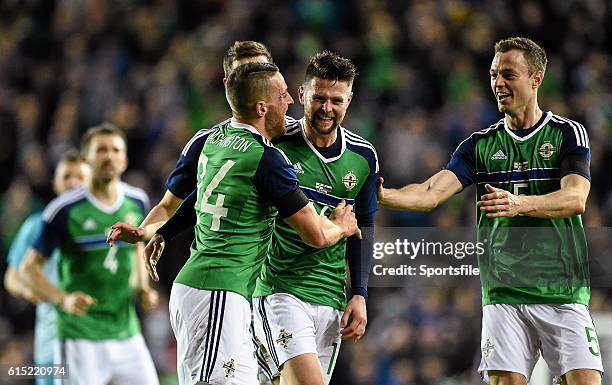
531	171
71	172
242	181
300	295
182	180
99	334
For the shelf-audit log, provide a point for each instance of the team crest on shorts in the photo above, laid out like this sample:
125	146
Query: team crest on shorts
546	150
349	180
487	348
283	338
229	368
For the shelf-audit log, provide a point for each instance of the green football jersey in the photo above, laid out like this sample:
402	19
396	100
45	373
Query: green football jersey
528	260
77	224
319	275
241	178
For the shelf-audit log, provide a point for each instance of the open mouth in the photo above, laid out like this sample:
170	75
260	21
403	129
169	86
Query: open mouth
325	120
502	96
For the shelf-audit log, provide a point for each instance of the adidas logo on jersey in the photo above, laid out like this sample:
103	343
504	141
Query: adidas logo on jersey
499	155
89	224
298	168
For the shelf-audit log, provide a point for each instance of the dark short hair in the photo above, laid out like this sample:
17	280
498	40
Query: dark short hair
243	49
101	129
533	53
330	66
70	156
248	84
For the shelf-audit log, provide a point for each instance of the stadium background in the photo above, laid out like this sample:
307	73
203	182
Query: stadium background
154	69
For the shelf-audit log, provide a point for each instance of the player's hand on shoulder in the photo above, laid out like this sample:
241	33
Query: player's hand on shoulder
125	232
77	303
152	253
354	319
344	217
149	298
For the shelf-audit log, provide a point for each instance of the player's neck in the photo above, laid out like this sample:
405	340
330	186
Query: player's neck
524	119
105	191
318	139
258	124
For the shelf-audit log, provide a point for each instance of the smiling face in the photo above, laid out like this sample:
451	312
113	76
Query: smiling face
514	88
325	103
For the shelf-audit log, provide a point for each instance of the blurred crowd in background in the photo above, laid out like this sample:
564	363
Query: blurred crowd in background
154	69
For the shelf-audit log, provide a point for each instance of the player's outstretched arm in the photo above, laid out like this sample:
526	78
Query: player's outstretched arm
158	215
420	196
15	285
31	269
569	200
318	231
183	218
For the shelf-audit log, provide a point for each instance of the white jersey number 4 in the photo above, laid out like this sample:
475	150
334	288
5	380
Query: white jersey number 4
216	210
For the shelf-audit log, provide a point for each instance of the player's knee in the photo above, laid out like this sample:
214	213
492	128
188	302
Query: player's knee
506	378
582	377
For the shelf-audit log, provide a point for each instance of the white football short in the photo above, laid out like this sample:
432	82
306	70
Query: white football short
212	330
514	335
286	327
119	362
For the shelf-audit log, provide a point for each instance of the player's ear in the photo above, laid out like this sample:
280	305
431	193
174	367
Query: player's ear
350	97
301	94
261	109
536	80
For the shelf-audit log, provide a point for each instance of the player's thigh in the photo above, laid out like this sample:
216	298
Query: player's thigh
509	342
582	377
131	363
284	325
213	338
569	339
304	369
85	361
328	338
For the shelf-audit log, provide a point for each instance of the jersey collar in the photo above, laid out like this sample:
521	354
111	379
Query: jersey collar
104	207
248	127
317	153
543	120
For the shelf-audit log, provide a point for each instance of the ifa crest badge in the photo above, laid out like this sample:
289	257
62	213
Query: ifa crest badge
229	368
349	180
283	338
487	348
546	150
